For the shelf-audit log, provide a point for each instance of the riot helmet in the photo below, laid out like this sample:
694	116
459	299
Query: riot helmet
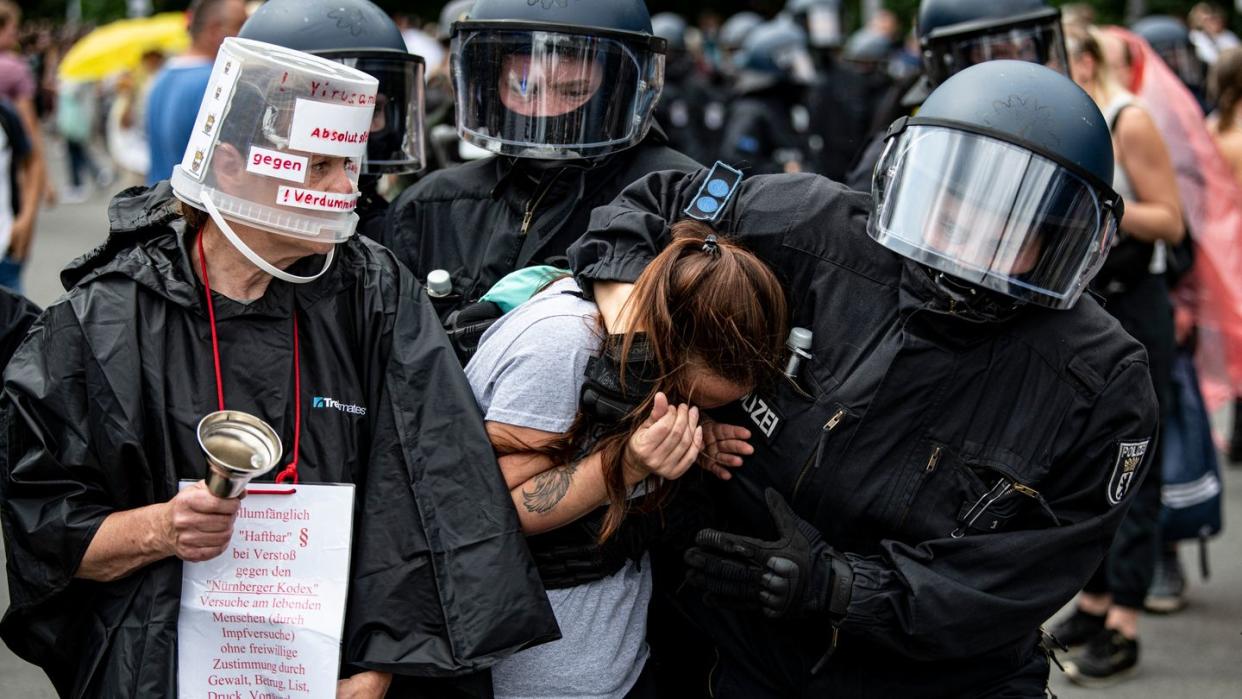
671	27
820	19
957	34
867	49
1004	181
735	30
1170	38
360	35
773	53
278	146
556	80
454	12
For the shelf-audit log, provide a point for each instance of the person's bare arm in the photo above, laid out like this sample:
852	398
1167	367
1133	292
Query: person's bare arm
548	495
1157	215
1231	147
194	526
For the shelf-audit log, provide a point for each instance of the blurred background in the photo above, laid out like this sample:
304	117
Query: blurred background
1108	11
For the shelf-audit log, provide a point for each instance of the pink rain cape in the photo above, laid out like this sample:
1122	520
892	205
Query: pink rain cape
1212	204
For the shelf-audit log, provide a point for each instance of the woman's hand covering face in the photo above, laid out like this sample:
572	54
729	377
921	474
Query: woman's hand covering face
668	442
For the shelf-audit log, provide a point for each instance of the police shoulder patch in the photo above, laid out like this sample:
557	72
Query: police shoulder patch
1125	470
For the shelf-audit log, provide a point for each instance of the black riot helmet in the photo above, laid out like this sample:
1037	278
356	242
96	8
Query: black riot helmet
957	34
671	27
1004	181
820	19
774	53
360	35
1171	39
735	30
556	80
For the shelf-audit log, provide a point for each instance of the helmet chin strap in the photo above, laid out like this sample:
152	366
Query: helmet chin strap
253	256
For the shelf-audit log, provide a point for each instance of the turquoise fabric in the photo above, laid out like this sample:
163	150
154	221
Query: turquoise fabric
517	287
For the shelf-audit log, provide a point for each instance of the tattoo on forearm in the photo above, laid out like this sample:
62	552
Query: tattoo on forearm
548	488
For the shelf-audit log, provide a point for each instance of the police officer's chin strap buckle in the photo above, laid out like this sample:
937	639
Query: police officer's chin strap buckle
253	256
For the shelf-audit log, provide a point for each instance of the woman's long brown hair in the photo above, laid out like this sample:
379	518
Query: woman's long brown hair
720	312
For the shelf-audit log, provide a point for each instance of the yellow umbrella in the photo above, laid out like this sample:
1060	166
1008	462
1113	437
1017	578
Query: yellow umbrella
119	46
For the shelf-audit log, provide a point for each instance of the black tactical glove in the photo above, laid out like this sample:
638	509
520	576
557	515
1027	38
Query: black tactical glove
796	575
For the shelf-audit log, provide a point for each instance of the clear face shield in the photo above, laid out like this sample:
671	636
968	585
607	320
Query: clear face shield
992	214
278	145
395	145
1035	39
539	93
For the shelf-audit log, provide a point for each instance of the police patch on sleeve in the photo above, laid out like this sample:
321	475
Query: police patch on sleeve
1129	458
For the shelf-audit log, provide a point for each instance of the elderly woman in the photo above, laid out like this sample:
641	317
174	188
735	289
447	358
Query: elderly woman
269	302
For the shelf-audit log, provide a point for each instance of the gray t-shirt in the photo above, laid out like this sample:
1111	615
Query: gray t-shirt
528	372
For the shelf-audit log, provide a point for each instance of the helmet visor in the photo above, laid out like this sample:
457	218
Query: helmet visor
552	95
1035	42
990	213
396	142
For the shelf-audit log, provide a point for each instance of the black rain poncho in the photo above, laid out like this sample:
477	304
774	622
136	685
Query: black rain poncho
104	398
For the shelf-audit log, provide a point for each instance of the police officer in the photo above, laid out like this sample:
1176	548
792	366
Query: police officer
762	133
952	461
360	35
1171	39
681	109
563	94
956	34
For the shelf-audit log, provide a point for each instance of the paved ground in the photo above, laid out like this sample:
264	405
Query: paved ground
1195	654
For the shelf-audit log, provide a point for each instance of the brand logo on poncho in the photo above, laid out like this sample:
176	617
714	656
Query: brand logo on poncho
325	403
1129	458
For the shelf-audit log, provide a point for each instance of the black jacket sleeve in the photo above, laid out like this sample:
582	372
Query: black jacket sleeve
952	598
55	492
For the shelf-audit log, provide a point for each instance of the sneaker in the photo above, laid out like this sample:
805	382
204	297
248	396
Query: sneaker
1078	628
1167	593
1108	659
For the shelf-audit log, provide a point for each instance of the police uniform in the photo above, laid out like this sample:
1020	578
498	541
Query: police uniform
970	465
483	220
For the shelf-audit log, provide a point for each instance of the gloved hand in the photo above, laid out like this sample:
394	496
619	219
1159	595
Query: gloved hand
794	576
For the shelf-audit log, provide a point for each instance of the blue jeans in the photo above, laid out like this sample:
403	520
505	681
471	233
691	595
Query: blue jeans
11	274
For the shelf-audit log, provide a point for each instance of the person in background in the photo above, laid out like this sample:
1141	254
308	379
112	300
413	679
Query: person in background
178	88
761	134
75	121
17	87
1133	285
1209	32
16	176
126	126
1225	125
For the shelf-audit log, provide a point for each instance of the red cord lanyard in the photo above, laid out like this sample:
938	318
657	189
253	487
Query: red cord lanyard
291	471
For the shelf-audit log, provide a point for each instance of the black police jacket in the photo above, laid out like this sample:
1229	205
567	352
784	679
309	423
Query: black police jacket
482	220
972	470
104	398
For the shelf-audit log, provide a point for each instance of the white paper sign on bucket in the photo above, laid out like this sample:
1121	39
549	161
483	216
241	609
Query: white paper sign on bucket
330	129
265	618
